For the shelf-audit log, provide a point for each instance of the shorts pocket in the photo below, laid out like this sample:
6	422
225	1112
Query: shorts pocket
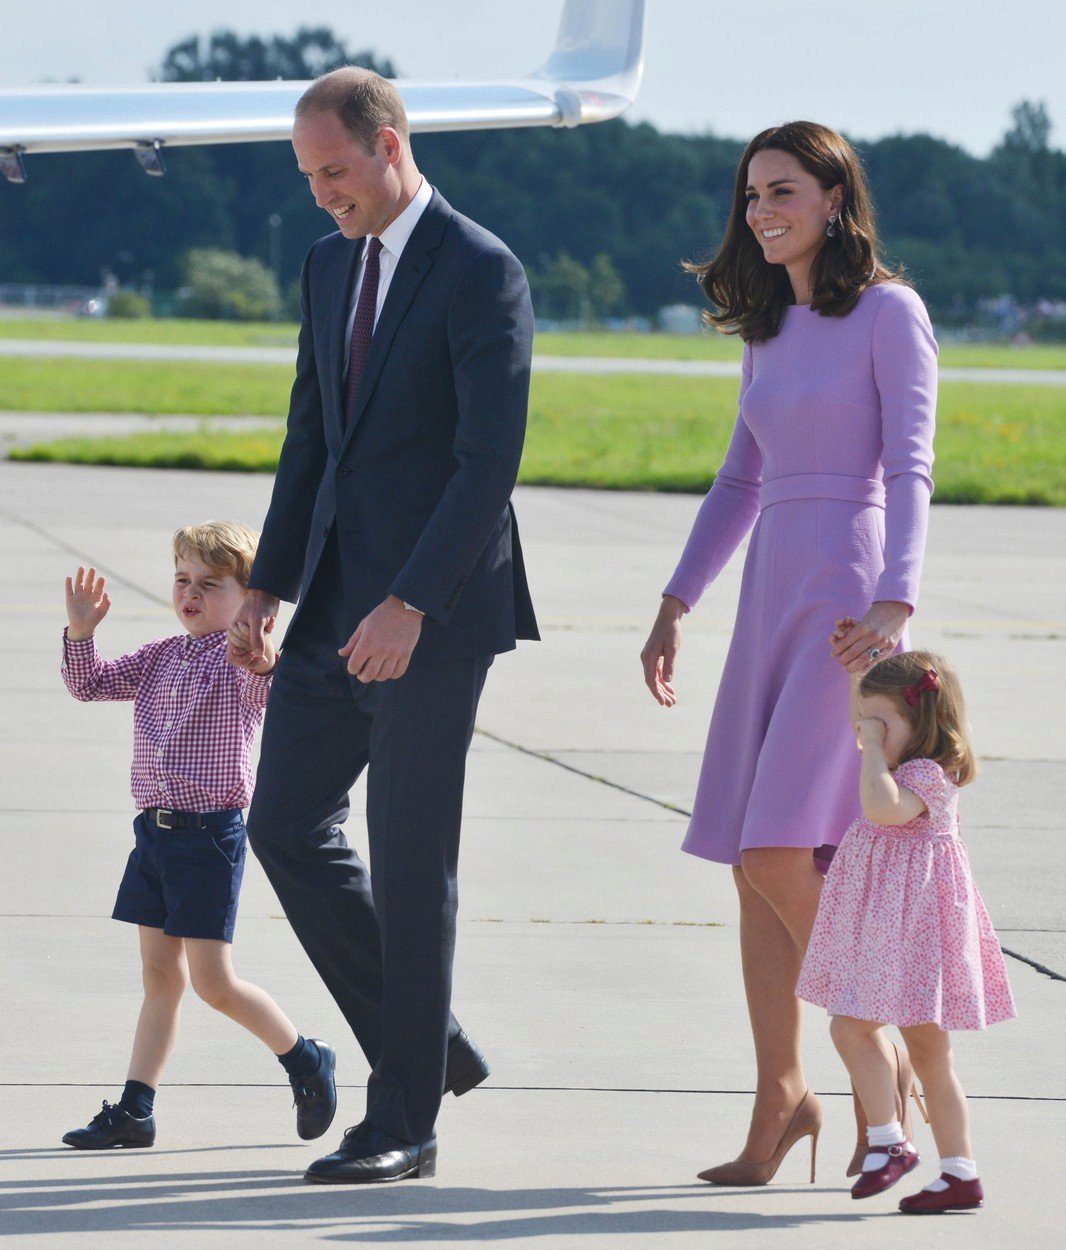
231	843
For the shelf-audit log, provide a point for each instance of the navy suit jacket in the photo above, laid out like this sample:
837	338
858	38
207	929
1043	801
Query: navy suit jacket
418	481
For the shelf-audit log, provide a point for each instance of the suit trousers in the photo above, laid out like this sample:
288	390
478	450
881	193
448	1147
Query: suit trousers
382	940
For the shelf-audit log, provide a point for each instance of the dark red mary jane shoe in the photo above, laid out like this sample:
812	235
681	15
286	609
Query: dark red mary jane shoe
959	1196
902	1158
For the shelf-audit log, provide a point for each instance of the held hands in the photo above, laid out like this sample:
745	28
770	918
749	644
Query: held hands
383	642
660	651
880	630
239	650
87	604
248	643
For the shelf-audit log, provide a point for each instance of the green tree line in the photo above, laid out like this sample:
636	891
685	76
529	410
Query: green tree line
602	215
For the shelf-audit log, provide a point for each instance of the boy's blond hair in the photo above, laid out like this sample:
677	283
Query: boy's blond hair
226	546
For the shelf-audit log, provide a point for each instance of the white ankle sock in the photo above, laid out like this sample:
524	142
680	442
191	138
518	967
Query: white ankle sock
890	1134
957	1166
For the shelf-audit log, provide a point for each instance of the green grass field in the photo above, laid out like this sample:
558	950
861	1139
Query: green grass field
65	384
592	343
995	444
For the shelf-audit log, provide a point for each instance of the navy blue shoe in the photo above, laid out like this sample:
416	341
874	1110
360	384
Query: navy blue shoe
369	1155
466	1066
315	1096
112	1127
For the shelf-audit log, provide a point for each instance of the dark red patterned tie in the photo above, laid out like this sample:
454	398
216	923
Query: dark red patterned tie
363	325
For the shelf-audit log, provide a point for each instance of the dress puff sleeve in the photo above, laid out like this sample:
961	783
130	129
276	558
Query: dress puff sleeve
728	511
928	781
905	372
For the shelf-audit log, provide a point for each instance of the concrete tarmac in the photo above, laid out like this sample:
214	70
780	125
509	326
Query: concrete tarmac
597	965
51	348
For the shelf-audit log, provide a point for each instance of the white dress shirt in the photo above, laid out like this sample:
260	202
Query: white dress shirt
393	240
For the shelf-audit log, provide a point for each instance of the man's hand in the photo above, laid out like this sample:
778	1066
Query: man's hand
242	657
248	645
87	604
383	642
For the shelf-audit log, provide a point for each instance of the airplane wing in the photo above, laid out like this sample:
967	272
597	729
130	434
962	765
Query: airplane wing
591	75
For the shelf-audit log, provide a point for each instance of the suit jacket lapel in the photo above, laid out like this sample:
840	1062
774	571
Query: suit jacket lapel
415	262
338	326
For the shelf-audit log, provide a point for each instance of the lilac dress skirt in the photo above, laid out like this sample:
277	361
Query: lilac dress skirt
780	767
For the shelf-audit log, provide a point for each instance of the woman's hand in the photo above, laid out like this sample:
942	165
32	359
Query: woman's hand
879	630
660	651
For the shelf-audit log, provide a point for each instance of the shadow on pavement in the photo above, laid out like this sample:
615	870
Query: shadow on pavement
272	1201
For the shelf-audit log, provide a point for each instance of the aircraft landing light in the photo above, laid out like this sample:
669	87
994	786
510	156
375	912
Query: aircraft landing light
12	166
150	158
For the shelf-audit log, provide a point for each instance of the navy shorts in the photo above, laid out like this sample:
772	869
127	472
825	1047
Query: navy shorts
185	881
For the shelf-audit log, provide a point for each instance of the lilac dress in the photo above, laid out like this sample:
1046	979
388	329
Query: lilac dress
902	936
831	453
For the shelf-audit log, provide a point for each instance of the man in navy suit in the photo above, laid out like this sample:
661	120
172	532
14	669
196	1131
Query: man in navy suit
391	524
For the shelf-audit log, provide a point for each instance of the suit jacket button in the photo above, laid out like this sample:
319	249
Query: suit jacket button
343	471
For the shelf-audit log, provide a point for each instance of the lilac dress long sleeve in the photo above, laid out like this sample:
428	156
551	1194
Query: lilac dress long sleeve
830	459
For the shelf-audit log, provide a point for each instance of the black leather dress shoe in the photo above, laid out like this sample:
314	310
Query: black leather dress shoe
315	1096
112	1126
368	1155
466	1065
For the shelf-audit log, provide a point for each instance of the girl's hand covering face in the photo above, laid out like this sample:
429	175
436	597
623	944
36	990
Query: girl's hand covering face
871	731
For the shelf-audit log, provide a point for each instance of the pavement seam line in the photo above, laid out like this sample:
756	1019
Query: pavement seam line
1024	959
547	758
34	528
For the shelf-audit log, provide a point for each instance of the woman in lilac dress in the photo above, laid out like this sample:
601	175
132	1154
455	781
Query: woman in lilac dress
830	460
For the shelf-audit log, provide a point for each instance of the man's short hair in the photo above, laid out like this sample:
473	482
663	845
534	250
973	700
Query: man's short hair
363	100
228	547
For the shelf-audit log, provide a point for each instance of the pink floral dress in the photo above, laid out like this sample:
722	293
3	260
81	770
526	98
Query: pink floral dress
902	935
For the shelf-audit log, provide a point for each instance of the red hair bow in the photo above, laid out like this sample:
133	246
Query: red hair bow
929	682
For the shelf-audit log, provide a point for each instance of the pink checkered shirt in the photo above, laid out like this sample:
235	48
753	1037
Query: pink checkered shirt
195	716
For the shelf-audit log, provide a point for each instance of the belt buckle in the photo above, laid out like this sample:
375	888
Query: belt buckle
164	817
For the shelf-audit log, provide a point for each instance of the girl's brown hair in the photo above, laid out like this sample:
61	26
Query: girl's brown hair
937	718
749	296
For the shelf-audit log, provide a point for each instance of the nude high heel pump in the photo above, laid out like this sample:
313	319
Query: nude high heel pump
806	1122
906	1088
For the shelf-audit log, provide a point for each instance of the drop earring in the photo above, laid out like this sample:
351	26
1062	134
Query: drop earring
830	229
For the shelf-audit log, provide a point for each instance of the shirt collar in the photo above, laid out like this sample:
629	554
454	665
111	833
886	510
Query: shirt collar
395	235
206	642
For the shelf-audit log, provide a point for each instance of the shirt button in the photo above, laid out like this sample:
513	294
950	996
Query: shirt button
185	664
162	785
168	724
159	753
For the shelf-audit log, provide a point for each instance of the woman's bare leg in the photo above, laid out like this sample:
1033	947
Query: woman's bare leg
779	890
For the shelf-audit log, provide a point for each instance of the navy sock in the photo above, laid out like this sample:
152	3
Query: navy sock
302	1059
138	1099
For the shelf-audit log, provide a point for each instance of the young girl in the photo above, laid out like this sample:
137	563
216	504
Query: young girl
902	936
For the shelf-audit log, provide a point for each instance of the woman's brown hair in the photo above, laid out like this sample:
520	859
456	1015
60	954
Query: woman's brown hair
749	296
937	717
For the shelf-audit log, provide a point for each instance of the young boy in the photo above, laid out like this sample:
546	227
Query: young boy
194	719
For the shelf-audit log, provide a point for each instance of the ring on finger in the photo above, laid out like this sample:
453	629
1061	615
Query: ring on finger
874	652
